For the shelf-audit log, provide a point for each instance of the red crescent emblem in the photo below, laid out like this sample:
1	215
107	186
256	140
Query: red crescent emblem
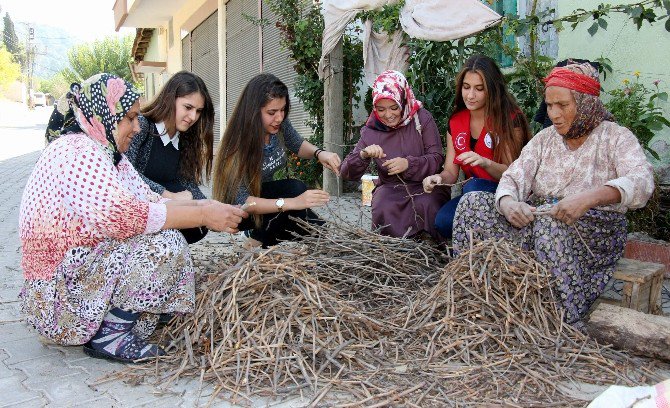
460	141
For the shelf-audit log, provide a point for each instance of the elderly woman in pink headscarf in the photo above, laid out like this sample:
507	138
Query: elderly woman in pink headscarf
101	254
402	139
566	196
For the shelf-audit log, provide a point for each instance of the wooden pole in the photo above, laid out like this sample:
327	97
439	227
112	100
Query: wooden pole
333	115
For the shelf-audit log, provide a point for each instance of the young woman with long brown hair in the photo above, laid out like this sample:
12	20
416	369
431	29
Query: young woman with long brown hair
252	150
173	151
486	134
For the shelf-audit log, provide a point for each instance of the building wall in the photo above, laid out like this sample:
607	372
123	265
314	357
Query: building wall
17	92
187	18
629	50
130	4
156	51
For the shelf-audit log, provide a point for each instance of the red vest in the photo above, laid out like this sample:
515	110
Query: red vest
459	126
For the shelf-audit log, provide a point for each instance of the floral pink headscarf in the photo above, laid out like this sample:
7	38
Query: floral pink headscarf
98	105
393	85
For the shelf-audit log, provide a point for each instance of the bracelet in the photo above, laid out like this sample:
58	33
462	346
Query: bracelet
316	153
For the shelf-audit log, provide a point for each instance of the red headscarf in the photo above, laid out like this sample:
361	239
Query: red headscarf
393	85
582	80
567	78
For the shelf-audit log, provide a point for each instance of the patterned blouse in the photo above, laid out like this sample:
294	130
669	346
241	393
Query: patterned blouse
76	197
610	156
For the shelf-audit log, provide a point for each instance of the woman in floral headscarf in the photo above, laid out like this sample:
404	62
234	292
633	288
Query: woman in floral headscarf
101	257
402	139
566	195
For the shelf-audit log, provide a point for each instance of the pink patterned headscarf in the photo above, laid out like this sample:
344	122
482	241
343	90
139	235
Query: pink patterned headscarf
99	104
393	85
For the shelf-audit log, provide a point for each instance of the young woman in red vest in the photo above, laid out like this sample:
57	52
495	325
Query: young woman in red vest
486	134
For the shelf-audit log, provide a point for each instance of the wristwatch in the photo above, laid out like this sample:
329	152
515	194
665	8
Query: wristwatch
280	204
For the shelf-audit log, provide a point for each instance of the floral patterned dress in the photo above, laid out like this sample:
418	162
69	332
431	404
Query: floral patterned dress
92	240
581	256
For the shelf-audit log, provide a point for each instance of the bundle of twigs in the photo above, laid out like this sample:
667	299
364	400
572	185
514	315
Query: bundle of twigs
378	321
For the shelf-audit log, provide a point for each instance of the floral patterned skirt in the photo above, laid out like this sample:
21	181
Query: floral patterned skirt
581	272
150	274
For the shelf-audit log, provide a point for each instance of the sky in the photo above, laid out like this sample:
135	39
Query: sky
87	20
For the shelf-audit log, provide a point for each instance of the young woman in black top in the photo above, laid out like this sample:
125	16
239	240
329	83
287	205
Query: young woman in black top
173	151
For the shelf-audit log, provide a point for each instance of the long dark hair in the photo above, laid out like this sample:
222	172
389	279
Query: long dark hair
240	155
503	114
197	143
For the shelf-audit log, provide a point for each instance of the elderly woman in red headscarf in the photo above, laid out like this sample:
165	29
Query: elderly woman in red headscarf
402	139
566	195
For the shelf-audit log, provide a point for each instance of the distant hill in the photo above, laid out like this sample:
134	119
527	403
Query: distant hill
52	44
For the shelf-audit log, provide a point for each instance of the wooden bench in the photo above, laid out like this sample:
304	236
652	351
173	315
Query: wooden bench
642	283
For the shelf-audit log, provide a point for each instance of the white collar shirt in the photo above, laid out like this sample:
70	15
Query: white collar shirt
165	138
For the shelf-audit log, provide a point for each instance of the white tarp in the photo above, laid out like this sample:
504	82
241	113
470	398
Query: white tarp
435	20
444	20
618	396
336	15
382	51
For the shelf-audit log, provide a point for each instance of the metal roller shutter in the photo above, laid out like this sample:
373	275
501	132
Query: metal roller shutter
186	53
205	63
276	61
242	49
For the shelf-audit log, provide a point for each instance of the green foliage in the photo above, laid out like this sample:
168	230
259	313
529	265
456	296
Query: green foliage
651	219
525	83
384	20
604	67
9	70
649	11
55	85
302	29
634	106
9	37
111	55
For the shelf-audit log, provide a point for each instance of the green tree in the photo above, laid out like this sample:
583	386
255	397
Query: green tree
9	37
11	41
9	70
111	55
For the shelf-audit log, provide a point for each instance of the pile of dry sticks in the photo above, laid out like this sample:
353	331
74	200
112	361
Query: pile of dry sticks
349	318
